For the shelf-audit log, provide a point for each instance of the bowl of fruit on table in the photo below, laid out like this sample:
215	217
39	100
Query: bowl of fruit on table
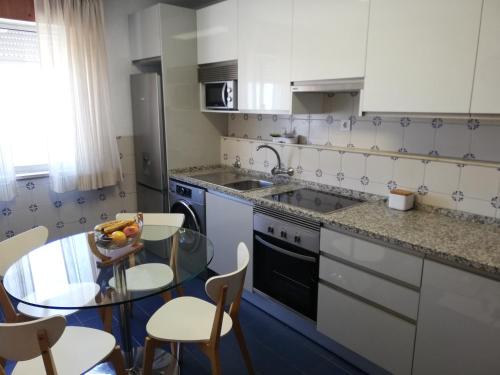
117	234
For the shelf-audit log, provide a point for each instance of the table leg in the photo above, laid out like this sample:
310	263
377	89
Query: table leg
126	333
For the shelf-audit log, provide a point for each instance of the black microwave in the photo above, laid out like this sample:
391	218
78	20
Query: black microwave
221	95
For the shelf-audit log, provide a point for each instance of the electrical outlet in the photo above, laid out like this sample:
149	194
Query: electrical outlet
345	125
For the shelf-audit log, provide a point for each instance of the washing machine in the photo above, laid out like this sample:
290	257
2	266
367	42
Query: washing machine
190	201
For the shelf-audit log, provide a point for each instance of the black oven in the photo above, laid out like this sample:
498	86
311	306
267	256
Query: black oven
286	263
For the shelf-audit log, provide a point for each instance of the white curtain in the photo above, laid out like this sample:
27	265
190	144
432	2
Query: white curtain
83	152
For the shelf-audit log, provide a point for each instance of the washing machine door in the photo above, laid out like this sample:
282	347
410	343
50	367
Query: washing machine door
191	244
191	220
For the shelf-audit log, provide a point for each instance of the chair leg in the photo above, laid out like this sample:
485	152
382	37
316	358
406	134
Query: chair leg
243	346
214	362
167	296
180	291
148	356
2	366
173	349
116	358
107	318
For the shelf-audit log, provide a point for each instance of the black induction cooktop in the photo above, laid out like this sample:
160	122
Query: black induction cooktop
314	200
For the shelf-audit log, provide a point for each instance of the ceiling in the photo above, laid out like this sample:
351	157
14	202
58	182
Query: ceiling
194	4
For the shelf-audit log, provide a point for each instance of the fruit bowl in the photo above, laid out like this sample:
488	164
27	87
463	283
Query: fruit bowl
117	234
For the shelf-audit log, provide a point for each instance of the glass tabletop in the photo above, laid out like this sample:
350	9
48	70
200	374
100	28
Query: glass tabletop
65	274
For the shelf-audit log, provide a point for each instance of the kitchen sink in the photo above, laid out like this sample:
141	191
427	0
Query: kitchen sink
246	185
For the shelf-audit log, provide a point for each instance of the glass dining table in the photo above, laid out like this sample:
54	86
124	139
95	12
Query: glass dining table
66	275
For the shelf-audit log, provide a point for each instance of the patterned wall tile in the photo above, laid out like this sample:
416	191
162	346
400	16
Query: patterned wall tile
71	212
467	188
439	137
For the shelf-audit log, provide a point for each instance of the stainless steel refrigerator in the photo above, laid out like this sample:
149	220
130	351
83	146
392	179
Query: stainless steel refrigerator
149	143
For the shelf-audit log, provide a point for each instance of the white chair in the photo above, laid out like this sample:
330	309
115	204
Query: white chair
15	248
11	250
47	346
150	276
190	319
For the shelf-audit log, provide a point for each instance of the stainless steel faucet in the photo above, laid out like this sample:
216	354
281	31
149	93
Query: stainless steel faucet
277	169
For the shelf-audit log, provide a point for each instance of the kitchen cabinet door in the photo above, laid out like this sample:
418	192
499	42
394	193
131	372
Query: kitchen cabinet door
421	55
217	32
329	39
368	331
264	54
229	222
145	33
458	329
486	92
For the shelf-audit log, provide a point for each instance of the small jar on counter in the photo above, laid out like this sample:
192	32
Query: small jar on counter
402	200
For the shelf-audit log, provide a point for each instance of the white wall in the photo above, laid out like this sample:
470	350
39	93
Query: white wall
120	67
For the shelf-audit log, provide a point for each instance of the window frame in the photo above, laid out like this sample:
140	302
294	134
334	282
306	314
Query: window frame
35	170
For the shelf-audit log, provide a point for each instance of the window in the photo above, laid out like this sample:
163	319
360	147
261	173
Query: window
21	96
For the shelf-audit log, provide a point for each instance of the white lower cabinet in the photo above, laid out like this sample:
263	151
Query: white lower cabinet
229	222
458	323
380	259
395	297
372	333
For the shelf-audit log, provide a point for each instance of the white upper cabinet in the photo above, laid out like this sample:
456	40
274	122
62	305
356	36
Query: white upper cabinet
486	92
421	55
145	33
217	32
329	39
264	54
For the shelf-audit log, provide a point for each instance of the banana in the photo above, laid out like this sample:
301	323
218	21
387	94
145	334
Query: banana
117	226
101	226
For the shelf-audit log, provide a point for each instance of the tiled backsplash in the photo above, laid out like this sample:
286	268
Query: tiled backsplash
72	212
467	188
471	139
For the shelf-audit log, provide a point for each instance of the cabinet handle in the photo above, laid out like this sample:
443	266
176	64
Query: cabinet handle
285	252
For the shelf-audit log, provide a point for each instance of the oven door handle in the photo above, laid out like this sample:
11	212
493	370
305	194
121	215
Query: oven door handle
283	251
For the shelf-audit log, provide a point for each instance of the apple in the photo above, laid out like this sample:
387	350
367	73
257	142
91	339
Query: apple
118	238
131	230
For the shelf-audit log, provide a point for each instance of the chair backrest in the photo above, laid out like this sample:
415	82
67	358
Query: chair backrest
21	341
16	247
234	280
172	220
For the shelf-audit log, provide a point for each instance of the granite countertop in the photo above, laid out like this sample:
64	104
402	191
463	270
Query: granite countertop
467	241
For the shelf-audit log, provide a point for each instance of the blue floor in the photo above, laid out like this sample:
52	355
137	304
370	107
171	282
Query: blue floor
274	347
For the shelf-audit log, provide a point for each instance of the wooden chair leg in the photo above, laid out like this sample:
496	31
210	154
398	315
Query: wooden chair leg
148	355
180	291
2	366
173	349
167	296
48	359
243	346
106	314
214	362
116	358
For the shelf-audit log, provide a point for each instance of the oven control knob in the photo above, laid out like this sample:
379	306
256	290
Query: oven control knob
296	239
270	230
283	234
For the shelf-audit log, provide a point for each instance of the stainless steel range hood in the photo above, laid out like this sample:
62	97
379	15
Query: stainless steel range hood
333	85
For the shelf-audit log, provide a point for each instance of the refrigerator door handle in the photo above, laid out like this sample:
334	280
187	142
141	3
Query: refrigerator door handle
146	159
